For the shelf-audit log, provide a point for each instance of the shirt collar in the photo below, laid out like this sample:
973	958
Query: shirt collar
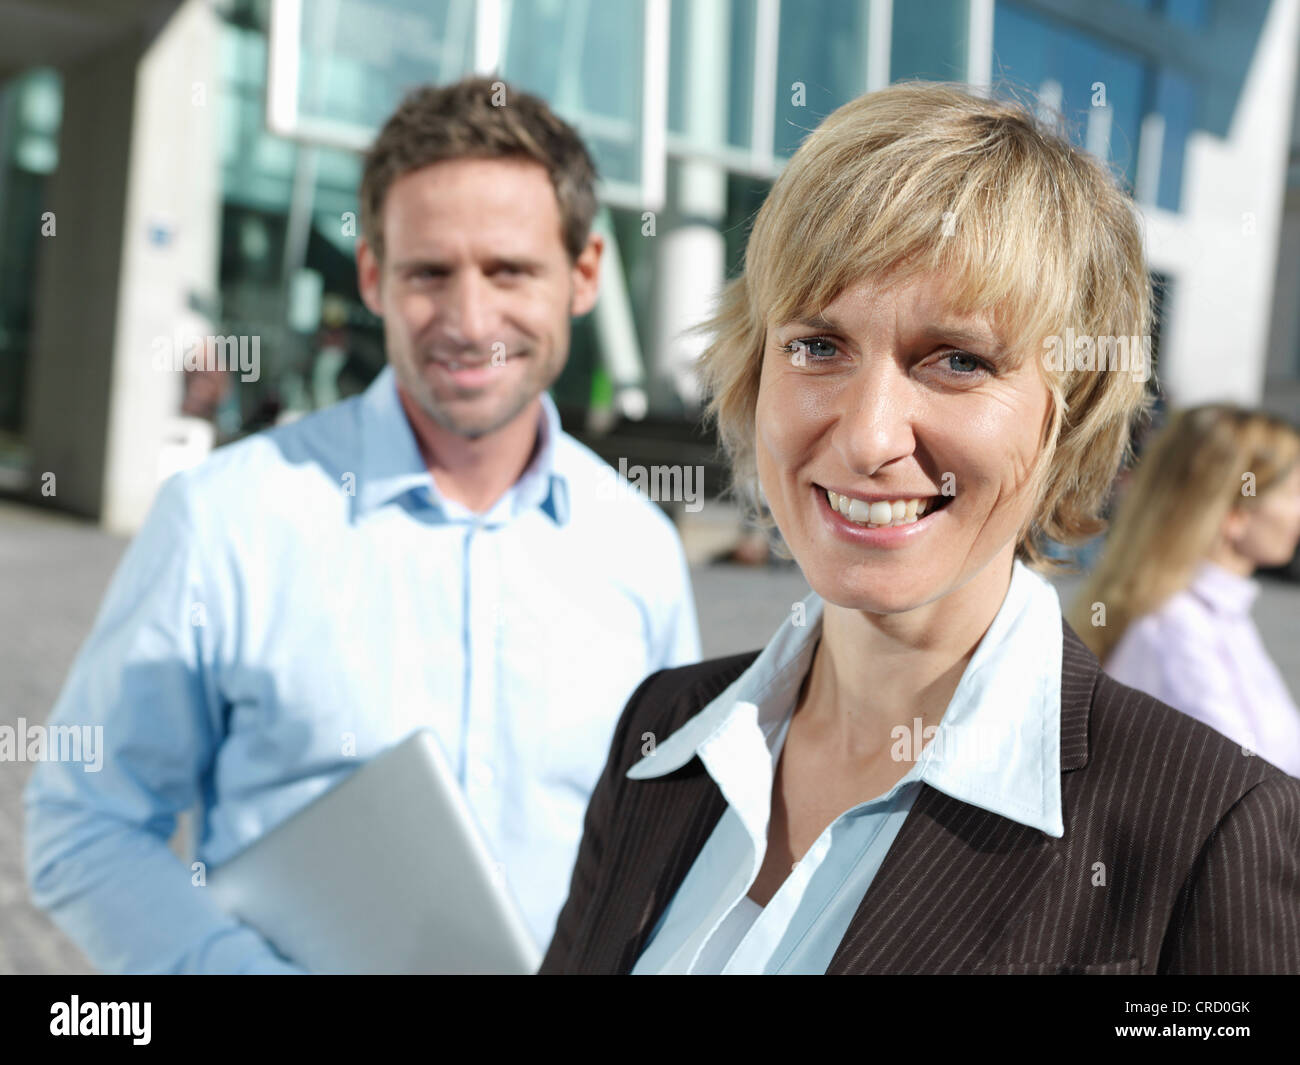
997	746
391	464
1223	591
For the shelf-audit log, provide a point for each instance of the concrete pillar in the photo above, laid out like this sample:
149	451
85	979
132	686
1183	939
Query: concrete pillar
1283	363
136	204
1222	249
690	264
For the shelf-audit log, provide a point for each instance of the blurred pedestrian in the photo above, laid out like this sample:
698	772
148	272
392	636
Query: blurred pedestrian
1168	607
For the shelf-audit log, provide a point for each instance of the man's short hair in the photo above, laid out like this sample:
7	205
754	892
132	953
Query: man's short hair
479	118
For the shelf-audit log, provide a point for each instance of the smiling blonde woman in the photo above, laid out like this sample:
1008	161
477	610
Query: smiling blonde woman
925	770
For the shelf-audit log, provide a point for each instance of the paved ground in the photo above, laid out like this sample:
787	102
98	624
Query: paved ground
53	571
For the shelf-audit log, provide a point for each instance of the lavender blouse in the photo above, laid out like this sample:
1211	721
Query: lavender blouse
1201	653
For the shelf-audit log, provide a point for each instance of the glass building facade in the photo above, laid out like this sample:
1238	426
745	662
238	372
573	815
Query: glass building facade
30	109
775	70
691	109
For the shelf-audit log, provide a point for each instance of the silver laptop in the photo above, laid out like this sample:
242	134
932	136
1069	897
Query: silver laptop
385	873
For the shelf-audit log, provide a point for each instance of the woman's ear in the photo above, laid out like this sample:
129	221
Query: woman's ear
1234	525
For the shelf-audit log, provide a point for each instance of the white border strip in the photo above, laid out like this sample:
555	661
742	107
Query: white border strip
282	51
979	44
880	21
654	104
762	123
488	22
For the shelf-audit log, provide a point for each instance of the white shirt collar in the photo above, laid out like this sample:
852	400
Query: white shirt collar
997	746
390	463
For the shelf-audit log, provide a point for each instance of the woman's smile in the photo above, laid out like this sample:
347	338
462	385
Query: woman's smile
889	523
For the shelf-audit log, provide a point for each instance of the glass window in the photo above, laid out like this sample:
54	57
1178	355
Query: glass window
1078	73
585	60
31	110
1194	14
35	144
1176	99
740	111
745	195
821	64
929	40
359	57
731	41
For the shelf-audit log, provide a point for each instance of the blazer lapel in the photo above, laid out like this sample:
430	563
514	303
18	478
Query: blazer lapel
684	808
957	877
675	815
947	891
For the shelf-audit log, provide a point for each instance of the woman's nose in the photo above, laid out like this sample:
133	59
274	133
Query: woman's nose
876	420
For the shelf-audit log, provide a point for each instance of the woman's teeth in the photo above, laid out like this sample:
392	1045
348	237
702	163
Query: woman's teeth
881	514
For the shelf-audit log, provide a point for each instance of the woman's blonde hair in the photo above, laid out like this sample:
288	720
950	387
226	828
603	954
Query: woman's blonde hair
924	178
1204	462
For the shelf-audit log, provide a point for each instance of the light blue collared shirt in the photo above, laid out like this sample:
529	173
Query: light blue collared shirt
305	599
996	747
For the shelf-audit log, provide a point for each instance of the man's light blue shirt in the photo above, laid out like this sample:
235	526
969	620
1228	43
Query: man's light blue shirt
996	747
305	599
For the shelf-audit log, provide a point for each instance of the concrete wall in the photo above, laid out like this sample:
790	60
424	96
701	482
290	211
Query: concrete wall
1222	249
136	199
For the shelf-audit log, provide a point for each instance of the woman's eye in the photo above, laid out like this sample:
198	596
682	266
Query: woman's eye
964	364
810	349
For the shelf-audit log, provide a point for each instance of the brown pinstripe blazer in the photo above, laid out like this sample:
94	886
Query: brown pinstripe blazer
1198	844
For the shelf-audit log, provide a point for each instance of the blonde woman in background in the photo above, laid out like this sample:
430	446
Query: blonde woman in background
1216	495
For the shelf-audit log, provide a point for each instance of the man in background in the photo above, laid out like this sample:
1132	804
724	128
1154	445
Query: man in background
433	553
